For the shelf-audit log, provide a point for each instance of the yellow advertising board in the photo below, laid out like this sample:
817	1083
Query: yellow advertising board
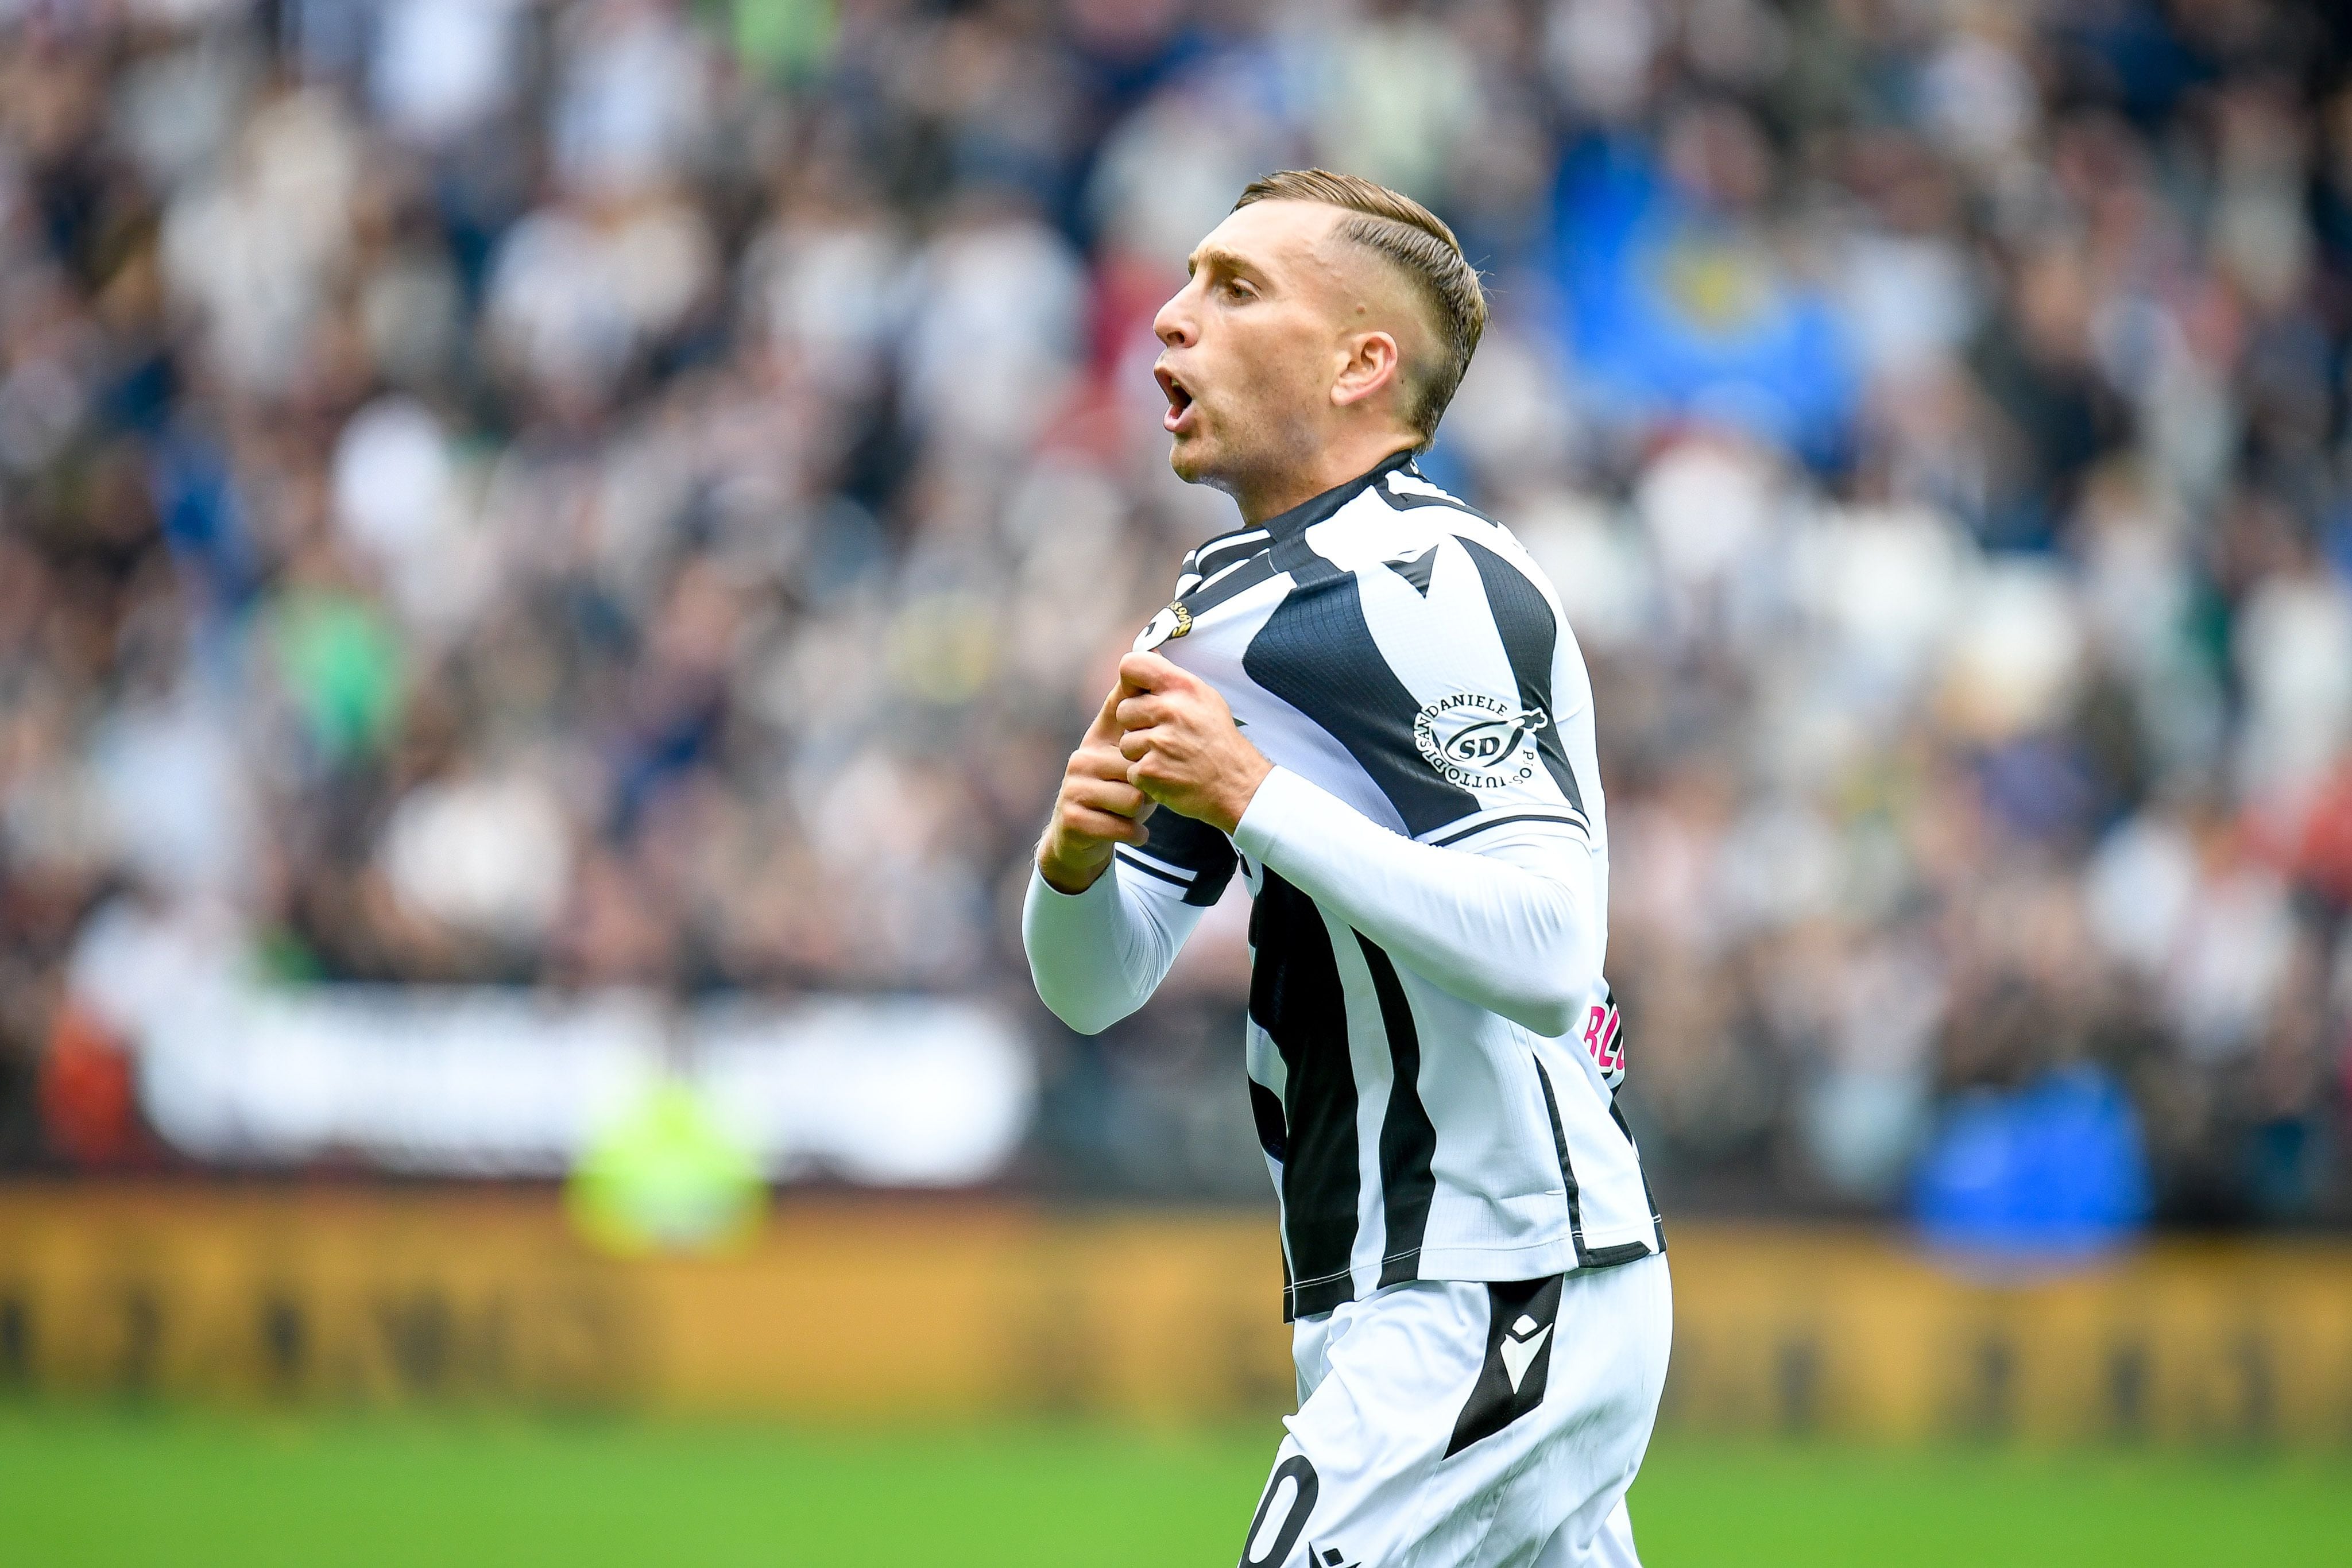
925	1310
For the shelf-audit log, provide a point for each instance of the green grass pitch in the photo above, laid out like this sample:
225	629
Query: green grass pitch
91	1489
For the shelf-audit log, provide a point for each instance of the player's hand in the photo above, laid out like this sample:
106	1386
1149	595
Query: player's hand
1182	746
1096	809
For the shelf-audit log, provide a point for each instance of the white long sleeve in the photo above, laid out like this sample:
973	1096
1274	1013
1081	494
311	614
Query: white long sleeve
1098	956
1513	925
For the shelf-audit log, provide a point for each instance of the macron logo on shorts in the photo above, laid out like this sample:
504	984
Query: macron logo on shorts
1520	1315
1518	1348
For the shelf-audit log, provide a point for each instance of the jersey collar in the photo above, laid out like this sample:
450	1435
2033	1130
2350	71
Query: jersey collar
1284	526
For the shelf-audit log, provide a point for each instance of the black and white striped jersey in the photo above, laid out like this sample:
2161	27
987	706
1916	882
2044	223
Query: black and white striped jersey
1433	1053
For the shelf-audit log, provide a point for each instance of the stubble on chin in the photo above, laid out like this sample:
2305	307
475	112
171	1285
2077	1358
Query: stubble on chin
1193	463
1199	472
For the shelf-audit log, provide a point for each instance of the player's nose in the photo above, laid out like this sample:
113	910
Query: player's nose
1175	325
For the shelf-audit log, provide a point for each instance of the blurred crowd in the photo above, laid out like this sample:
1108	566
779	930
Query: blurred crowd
640	492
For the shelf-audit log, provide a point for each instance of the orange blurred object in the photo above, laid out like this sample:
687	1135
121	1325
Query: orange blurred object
86	1102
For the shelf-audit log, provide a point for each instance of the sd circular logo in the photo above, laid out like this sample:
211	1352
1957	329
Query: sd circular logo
1478	742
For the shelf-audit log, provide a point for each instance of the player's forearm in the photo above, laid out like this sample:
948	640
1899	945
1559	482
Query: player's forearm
1517	940
1098	955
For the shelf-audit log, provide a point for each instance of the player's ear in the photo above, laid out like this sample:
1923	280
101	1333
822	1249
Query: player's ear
1374	366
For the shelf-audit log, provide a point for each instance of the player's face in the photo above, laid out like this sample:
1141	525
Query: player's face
1250	345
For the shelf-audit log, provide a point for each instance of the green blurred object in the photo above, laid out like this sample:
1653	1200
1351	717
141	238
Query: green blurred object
81	1490
783	40
666	1177
343	663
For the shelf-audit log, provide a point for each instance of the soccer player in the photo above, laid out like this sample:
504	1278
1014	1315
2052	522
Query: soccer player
1366	700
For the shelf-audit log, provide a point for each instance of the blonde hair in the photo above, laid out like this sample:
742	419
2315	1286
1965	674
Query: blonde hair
1418	244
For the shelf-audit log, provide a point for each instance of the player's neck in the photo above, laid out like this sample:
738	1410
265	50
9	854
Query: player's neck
1331	467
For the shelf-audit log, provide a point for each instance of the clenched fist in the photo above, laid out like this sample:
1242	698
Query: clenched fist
1182	746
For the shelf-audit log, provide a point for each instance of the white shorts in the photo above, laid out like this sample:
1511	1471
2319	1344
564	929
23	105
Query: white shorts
1459	1425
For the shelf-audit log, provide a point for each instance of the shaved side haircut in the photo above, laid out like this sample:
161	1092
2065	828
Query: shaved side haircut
1417	243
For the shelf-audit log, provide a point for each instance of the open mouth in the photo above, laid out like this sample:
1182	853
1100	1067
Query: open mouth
1180	401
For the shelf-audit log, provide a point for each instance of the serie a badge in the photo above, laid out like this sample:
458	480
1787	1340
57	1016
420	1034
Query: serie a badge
1172	622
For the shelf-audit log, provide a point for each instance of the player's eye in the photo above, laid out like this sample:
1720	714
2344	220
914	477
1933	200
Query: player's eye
1238	290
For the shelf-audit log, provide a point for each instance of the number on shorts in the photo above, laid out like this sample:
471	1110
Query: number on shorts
1293	1469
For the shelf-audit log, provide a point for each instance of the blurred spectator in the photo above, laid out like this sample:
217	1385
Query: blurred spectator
625	491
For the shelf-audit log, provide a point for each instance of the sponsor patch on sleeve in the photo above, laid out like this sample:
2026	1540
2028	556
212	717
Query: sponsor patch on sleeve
1478	742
